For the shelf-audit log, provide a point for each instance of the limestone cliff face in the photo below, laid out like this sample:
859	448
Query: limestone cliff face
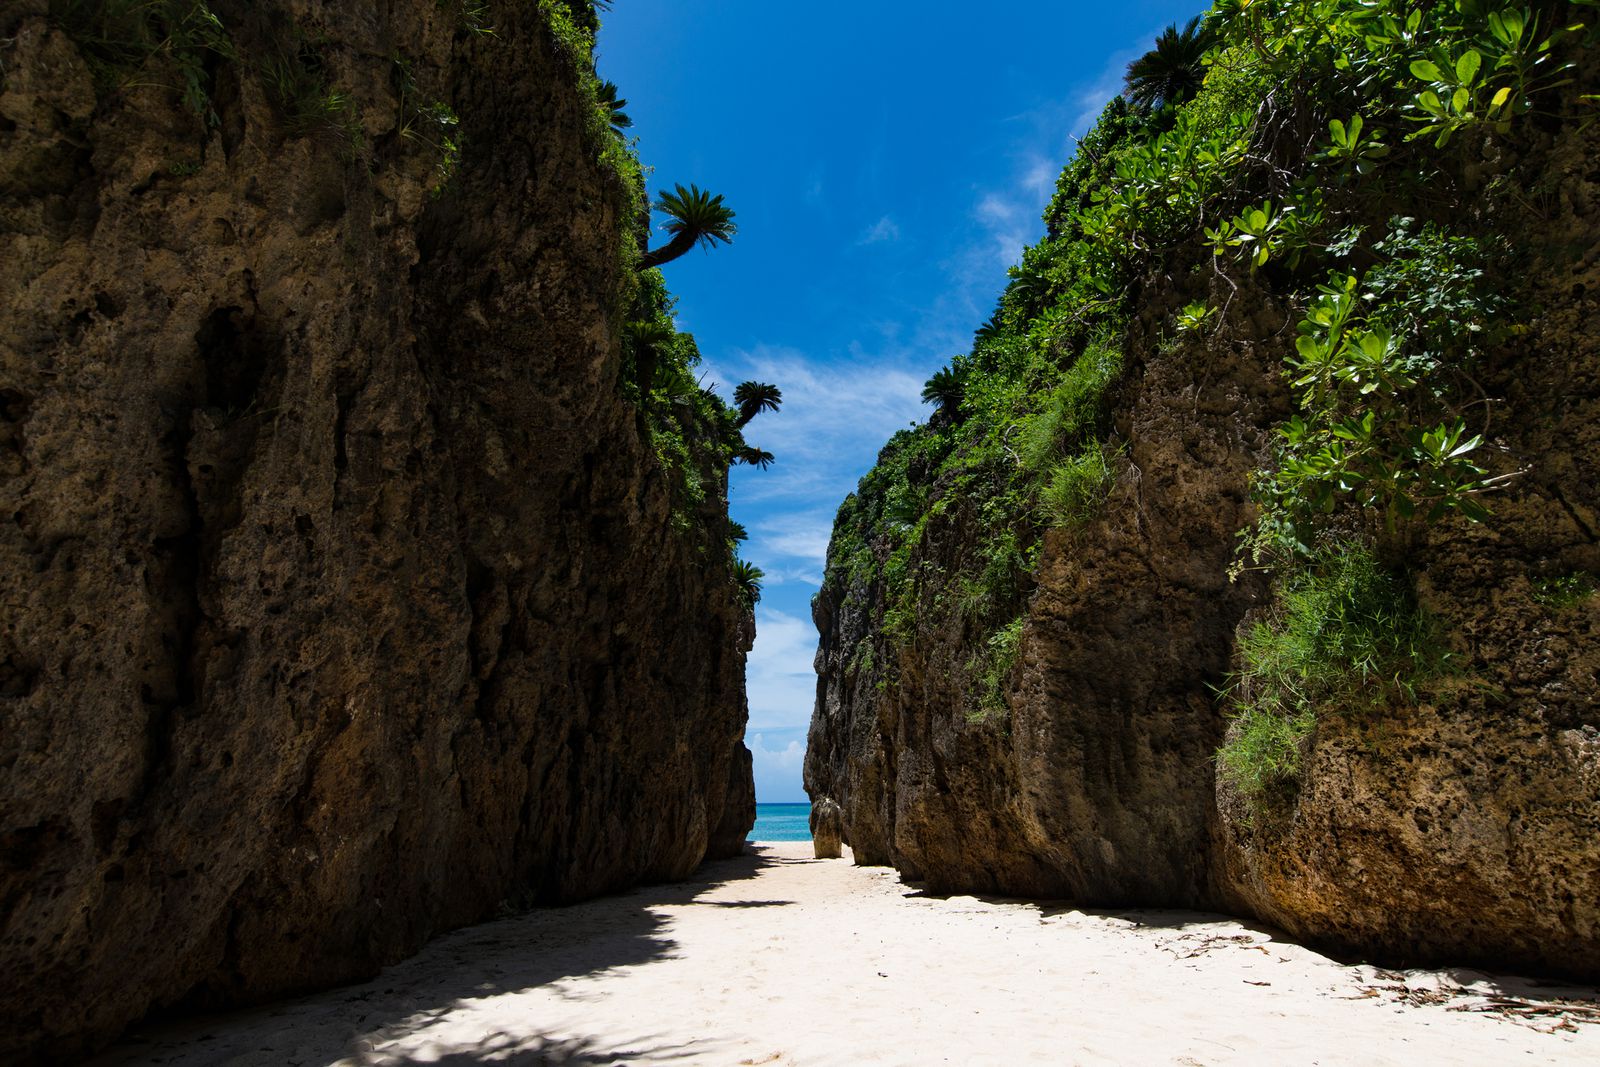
1464	830
1469	828
1098	783
343	602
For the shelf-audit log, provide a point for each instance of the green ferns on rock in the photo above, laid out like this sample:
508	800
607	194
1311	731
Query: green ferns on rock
129	41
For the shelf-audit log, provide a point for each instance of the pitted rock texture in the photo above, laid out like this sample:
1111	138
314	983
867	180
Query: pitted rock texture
1469	829
826	843
342	602
1466	830
1098	784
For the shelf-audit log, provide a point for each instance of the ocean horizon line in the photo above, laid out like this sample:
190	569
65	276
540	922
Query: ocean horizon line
781	821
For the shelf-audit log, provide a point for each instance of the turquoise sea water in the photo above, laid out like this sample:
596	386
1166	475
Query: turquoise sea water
782	822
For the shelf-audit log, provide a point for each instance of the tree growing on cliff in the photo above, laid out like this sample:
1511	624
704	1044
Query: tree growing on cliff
748	578
1171	72
613	105
753	398
646	338
945	389
755	457
697	217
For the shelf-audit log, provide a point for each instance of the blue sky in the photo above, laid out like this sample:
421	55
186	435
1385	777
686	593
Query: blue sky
887	161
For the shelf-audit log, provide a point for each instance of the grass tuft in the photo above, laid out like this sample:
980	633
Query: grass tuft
132	42
1077	488
1347	637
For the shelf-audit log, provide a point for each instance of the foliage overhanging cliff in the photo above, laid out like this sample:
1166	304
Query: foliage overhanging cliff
1248	560
356	581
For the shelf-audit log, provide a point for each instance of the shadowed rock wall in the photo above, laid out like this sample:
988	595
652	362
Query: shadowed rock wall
342	602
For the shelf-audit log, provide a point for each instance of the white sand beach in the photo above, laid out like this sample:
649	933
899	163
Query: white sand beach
776	958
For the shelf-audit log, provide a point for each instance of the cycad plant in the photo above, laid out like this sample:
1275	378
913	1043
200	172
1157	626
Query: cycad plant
755	457
752	398
607	94
747	576
945	389
646	338
697	217
1171	72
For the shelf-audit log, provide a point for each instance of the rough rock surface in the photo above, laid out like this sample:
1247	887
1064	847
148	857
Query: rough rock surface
1466	830
342	602
1469	828
1098	786
826	832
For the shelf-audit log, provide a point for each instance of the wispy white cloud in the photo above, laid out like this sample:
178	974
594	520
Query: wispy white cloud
778	756
1039	178
833	417
885	229
1005	218
799	536
778	675
1006	223
812	194
1092	99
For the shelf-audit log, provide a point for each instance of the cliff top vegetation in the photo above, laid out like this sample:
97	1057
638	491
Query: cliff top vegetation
1328	152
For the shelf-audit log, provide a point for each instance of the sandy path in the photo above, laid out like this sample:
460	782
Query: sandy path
780	959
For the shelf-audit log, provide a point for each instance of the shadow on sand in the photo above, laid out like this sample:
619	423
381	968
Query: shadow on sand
353	1025
1460	988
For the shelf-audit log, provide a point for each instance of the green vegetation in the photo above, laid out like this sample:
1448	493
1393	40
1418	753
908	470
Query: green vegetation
695	435
613	103
1173	71
428	122
999	658
944	390
698	218
1565	590
1328	152
298	85
752	398
748	577
473	15
148	42
1344	637
1076	488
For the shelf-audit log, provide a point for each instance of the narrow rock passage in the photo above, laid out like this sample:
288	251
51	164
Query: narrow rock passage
775	958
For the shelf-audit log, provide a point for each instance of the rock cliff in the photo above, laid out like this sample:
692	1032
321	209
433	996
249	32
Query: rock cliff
345	600
1073	753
